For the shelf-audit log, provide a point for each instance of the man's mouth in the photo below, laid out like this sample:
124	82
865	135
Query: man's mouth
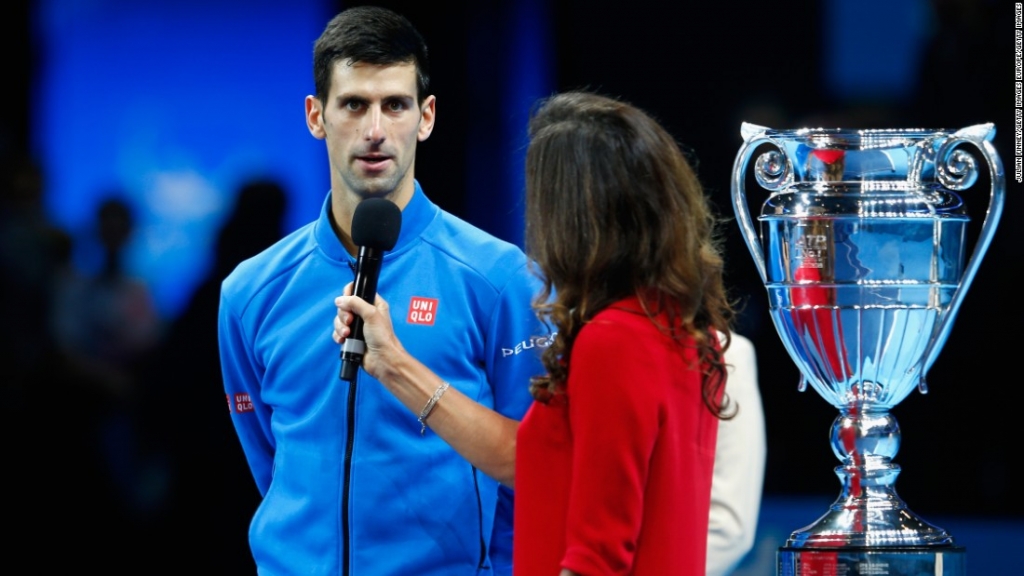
374	161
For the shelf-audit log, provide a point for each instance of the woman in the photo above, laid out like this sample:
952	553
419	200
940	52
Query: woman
614	458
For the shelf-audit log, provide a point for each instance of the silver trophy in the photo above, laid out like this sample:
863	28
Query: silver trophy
861	244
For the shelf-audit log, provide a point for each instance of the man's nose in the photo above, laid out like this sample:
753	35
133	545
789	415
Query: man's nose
375	129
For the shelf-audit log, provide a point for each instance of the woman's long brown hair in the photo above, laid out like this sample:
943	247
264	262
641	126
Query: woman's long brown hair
614	209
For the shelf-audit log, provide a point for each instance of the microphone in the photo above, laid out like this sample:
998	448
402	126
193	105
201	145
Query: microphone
375	227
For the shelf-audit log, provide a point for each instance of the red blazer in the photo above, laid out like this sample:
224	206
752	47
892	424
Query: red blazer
614	477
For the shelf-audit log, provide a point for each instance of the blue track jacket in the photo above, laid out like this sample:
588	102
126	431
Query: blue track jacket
349	485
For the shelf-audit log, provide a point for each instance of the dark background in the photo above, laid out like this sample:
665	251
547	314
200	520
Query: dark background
702	69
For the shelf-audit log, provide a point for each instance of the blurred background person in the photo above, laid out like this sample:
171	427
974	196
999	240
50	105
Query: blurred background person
106	326
40	398
209	485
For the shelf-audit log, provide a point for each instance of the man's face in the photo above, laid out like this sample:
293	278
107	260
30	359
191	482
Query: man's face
371	123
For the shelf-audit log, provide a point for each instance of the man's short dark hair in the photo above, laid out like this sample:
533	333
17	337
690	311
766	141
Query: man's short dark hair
372	35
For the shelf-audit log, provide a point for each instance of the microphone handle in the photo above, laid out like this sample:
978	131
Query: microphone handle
365	286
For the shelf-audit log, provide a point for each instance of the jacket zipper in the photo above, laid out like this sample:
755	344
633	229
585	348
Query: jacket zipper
345	486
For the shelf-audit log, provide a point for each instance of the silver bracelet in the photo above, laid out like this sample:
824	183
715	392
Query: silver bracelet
430	406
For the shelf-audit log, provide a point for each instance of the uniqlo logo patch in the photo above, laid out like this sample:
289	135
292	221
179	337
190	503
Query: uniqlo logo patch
422	311
243	403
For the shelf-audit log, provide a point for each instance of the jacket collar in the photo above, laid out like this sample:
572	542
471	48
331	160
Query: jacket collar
416	216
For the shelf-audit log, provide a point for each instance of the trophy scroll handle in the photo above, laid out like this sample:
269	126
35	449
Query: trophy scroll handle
773	173
956	171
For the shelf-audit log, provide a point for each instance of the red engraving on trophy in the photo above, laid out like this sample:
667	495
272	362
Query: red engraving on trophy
422	311
243	403
819	564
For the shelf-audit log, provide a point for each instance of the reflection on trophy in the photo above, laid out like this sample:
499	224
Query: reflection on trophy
861	244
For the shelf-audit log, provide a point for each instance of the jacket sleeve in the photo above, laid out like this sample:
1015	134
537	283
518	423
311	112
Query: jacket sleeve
242	376
515	341
739	464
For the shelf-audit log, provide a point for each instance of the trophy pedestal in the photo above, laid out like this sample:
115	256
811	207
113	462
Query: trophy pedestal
887	561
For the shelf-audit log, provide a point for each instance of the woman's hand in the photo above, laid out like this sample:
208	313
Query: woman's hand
382	346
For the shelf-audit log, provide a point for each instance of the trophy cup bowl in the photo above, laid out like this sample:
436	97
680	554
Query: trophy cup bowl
861	245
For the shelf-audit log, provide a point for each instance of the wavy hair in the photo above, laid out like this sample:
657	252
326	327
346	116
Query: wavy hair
615	209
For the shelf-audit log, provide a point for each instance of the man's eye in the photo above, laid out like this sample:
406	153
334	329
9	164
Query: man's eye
396	106
353	105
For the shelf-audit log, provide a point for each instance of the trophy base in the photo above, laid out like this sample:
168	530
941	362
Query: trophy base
921	561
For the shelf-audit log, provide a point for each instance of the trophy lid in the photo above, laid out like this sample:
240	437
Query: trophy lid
841	161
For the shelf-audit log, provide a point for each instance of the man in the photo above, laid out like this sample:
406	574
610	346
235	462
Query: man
397	472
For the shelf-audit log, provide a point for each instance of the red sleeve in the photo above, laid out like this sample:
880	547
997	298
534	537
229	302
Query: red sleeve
614	416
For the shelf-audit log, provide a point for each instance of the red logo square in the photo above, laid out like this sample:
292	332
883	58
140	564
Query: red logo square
243	403
422	311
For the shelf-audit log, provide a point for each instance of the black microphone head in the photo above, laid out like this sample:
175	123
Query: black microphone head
376	224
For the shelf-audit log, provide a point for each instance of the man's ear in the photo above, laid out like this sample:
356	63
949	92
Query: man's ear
427	111
315	117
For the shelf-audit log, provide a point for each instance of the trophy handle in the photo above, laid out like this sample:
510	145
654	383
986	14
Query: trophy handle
774	173
956	170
